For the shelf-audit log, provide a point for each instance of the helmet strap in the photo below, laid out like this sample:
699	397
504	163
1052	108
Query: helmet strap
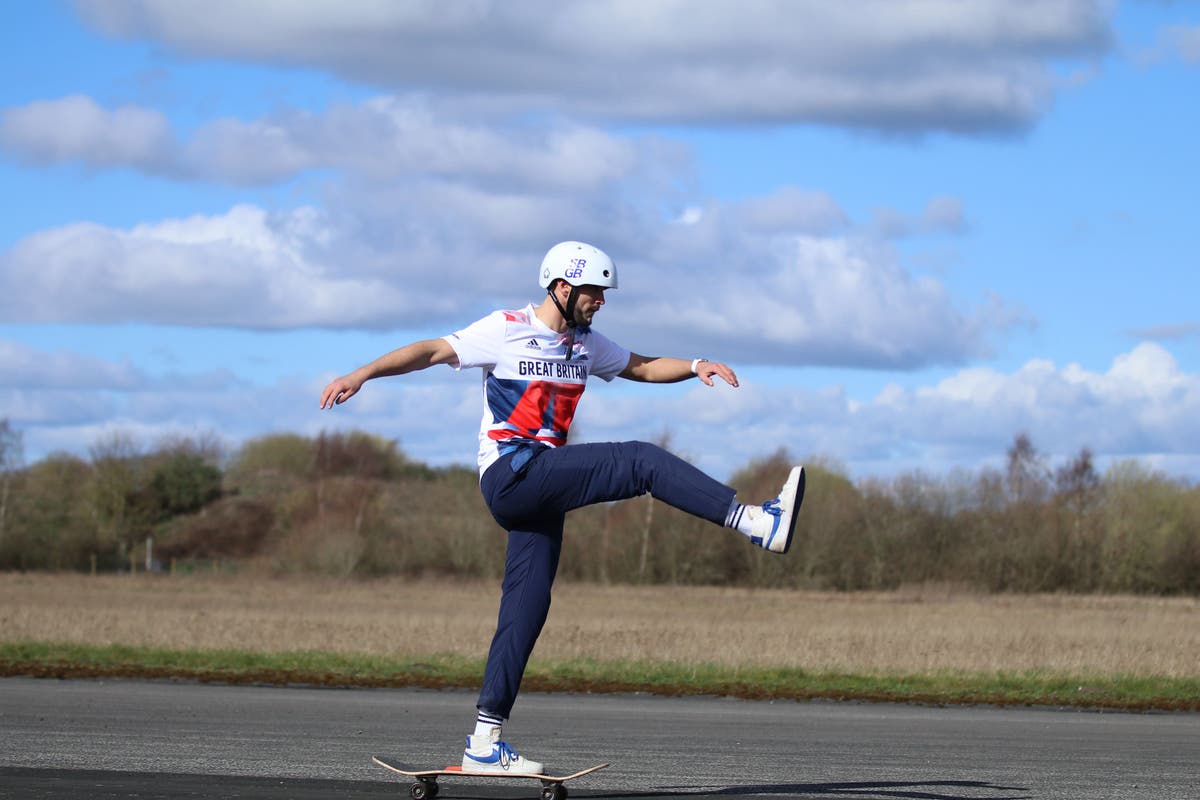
568	314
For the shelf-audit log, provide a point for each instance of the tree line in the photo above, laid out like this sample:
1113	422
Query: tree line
352	504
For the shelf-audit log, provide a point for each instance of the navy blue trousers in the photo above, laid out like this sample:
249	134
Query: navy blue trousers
531	501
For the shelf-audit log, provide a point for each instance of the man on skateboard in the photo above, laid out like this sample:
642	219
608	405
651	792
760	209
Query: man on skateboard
535	363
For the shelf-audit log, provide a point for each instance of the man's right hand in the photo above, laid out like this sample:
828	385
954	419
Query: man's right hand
339	391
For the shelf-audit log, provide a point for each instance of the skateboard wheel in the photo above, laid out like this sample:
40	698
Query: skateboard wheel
423	790
554	791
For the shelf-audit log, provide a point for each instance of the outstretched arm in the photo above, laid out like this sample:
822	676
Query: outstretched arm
664	369
410	358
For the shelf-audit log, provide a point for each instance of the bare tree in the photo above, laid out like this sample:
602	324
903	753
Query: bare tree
1077	482
1026	472
1077	492
11	457
114	481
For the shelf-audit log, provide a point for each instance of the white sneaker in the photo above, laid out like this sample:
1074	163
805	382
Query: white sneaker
489	754
774	522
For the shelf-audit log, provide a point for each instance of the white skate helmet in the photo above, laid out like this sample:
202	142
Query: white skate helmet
578	264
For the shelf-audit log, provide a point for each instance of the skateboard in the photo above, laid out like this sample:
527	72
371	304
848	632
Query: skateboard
426	786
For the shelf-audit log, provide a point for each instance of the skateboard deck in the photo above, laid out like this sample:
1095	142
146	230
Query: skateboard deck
425	787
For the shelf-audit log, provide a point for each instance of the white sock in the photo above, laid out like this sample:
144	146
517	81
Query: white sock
485	723
738	519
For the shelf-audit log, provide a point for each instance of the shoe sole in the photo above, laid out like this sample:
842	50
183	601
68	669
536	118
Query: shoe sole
797	501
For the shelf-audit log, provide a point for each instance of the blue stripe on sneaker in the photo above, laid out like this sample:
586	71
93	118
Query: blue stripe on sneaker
772	508
491	758
501	754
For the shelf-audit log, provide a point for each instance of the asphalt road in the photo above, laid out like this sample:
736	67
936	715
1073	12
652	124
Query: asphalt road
135	739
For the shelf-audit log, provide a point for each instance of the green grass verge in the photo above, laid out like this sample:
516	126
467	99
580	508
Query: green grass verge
440	671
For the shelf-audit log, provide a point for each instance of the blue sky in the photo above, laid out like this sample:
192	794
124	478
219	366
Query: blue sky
915	229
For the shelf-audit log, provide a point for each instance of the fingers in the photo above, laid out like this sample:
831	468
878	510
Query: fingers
709	368
337	392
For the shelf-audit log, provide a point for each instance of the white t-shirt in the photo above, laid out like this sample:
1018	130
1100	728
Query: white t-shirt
530	389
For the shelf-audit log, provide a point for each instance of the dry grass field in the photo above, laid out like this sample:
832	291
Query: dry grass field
914	631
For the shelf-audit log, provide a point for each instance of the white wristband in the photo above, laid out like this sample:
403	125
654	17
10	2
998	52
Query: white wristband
696	363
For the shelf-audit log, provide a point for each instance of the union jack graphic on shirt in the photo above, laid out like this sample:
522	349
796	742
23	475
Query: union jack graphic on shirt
530	389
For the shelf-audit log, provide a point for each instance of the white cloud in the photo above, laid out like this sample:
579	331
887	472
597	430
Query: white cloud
1171	43
941	215
382	139
791	209
76	128
1167	331
804	300
1143	406
244	268
62	389
441	253
1184	41
436	221
54	414
28	368
67	399
917	66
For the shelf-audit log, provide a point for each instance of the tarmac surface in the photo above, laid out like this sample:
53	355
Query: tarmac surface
163	739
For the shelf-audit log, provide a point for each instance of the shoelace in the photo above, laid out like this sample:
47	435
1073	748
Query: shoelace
507	754
773	508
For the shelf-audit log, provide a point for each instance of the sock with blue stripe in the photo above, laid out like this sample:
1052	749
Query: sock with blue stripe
486	722
738	519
